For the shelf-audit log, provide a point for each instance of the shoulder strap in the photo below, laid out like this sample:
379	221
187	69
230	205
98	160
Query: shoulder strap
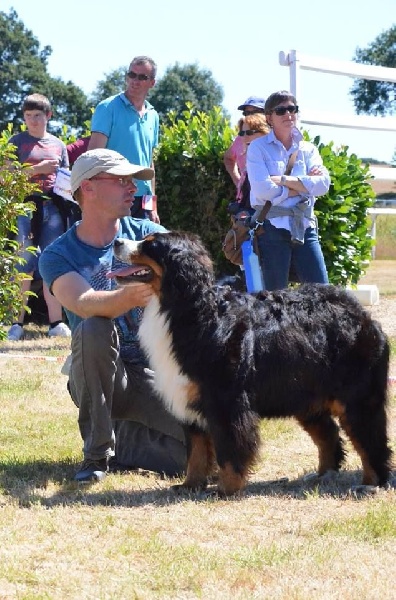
290	162
260	214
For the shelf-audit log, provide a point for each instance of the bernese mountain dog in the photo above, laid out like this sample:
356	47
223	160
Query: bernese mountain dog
224	359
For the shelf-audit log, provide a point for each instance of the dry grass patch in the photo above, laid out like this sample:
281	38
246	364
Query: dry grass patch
381	273
133	537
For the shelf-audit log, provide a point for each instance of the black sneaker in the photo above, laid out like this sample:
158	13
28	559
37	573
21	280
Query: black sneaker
92	470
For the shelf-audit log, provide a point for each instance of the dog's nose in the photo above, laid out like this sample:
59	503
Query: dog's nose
118	242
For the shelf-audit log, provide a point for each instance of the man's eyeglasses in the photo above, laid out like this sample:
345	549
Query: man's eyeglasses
248	132
123	181
282	110
139	76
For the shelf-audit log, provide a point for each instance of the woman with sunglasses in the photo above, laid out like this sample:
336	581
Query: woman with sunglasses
290	236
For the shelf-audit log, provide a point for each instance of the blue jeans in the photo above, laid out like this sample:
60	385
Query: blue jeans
52	227
278	252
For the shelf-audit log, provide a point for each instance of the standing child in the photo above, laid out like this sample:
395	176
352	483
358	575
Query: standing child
43	153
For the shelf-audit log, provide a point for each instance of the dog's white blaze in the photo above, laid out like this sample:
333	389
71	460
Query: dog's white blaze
169	381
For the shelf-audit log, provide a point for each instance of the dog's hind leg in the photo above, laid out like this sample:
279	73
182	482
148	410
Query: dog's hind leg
200	458
367	430
325	434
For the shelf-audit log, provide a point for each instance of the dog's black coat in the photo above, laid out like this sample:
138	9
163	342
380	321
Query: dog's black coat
312	353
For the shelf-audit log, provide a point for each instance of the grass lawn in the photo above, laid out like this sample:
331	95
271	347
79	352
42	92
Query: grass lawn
383	274
133	537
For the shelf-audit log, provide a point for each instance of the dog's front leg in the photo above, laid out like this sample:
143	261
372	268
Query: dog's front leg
200	458
236	439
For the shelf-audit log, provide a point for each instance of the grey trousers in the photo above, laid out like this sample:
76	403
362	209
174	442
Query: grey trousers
108	393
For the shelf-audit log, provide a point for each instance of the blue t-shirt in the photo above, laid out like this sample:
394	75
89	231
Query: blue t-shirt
130	134
68	253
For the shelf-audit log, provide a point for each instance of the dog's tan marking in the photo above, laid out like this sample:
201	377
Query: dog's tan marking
326	447
200	461
337	409
129	253
369	475
192	393
157	273
231	482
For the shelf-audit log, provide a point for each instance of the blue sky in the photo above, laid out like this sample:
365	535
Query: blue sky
90	38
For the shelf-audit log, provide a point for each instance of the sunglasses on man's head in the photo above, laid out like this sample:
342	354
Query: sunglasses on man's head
282	110
138	76
248	132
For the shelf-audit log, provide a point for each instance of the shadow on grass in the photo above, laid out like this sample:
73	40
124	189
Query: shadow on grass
28	484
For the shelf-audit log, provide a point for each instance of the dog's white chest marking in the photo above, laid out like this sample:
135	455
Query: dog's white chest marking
170	383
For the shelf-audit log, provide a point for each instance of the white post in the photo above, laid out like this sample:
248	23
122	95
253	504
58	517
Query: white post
291	60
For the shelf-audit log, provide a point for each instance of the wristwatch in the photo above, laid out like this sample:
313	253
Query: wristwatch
283	179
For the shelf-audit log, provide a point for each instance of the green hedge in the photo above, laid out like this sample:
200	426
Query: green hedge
13	189
342	215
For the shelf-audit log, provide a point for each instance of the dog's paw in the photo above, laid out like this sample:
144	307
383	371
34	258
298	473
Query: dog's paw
392	481
310	477
364	490
327	477
182	488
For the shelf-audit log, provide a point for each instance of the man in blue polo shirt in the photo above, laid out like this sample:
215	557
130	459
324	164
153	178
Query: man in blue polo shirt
129	124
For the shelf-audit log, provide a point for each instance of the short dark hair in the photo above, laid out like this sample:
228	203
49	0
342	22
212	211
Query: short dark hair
37	102
144	60
277	98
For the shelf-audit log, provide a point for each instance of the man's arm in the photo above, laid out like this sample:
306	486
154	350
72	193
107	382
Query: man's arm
154	213
75	294
98	140
153	179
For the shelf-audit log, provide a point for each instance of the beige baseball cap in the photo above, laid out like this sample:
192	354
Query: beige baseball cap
103	160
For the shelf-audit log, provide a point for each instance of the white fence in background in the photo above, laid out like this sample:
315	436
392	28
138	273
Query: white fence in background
296	61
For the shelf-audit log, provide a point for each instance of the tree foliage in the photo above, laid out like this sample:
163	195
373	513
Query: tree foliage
376	97
13	190
182	84
112	84
23	71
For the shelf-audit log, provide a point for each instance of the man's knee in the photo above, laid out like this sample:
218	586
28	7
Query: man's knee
96	335
96	326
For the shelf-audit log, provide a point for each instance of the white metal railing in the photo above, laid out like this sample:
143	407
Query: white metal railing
296	61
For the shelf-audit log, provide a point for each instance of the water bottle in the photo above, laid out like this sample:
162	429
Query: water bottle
251	265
